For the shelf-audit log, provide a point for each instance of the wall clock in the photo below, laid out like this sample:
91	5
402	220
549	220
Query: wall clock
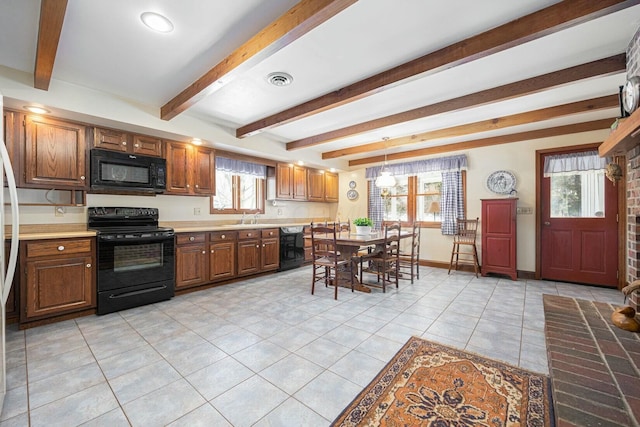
631	94
352	194
501	182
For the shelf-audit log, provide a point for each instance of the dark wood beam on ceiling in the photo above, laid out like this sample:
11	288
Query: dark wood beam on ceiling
546	21
486	142
51	20
595	104
599	68
296	22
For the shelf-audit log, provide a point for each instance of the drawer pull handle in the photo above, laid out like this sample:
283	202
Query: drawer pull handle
257	246
136	145
191	239
248	234
61	248
271	233
88	265
82	178
263	245
124	142
223	236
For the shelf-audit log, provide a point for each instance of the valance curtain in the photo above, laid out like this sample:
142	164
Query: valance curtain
573	162
238	166
442	164
452	201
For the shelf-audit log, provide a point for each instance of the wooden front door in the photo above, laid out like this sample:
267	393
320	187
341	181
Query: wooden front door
579	228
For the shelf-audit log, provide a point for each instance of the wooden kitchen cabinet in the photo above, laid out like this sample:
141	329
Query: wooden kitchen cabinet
12	314
58	277
190	169
222	255
316	185
499	244
55	154
118	140
331	187
258	251
291	182
191	260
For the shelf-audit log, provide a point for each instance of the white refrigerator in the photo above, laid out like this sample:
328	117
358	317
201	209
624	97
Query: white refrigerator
9	202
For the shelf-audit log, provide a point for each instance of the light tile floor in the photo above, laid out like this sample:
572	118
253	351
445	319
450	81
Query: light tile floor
263	351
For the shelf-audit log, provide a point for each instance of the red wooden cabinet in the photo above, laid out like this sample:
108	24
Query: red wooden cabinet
499	237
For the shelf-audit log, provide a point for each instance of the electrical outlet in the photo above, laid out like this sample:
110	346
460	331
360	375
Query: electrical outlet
59	211
196	211
279	212
524	210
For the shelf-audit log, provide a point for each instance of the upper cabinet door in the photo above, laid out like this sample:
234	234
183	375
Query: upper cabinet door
55	154
178	168
204	171
111	139
284	181
331	189
299	183
315	179
146	145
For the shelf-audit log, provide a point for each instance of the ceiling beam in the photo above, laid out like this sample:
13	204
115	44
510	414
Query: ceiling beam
595	104
295	23
600	68
51	20
546	21
486	142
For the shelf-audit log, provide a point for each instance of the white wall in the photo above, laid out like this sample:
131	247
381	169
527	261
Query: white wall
519	158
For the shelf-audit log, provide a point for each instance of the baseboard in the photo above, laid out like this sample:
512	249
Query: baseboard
522	274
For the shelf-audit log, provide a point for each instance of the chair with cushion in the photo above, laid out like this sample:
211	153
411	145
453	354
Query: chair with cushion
464	245
410	258
327	265
384	262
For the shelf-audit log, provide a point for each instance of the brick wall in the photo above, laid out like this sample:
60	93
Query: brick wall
633	185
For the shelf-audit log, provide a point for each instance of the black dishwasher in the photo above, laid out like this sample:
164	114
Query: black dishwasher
291	247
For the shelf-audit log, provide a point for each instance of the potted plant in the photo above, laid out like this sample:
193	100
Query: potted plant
363	225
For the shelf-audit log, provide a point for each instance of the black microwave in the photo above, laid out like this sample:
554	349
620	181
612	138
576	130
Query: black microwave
113	170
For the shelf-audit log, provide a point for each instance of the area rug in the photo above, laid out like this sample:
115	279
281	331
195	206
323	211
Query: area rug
430	384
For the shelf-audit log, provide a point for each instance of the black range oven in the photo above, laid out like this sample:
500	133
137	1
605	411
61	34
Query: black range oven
135	257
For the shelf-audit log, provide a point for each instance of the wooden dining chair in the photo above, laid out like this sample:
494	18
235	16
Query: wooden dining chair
410	258
384	262
464	245
327	263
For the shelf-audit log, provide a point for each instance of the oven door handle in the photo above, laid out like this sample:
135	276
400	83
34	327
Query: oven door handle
142	291
137	239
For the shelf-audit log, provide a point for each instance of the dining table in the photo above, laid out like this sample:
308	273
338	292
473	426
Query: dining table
349	244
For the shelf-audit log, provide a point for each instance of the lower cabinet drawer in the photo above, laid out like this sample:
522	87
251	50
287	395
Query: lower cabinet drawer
57	247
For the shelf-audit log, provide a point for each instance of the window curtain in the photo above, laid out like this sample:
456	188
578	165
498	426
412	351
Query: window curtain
240	167
592	193
573	162
452	206
452	203
376	206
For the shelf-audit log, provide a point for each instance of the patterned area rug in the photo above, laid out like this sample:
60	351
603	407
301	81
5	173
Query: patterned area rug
429	384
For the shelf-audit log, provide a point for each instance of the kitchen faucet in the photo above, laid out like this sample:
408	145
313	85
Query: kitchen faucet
255	218
243	217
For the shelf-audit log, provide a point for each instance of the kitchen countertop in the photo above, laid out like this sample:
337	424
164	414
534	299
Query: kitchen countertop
65	231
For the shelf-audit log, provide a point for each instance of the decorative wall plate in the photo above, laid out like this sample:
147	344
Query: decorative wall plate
352	184
501	182
352	194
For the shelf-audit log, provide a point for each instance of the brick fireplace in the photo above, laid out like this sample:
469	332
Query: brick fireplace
633	186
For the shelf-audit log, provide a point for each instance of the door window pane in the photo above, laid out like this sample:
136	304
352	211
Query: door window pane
577	194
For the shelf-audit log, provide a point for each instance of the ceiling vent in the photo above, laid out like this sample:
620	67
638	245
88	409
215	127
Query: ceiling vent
279	79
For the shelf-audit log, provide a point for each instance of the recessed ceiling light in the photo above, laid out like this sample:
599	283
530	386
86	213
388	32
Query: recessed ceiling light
300	163
196	141
37	110
157	22
280	79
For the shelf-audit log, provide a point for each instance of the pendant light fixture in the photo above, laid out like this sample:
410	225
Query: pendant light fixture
385	180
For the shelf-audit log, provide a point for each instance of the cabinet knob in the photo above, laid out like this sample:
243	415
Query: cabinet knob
223	236
82	177
136	145
248	234
61	248
211	250
204	252
88	265
271	233
263	245
188	186
197	186
124	142
192	238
